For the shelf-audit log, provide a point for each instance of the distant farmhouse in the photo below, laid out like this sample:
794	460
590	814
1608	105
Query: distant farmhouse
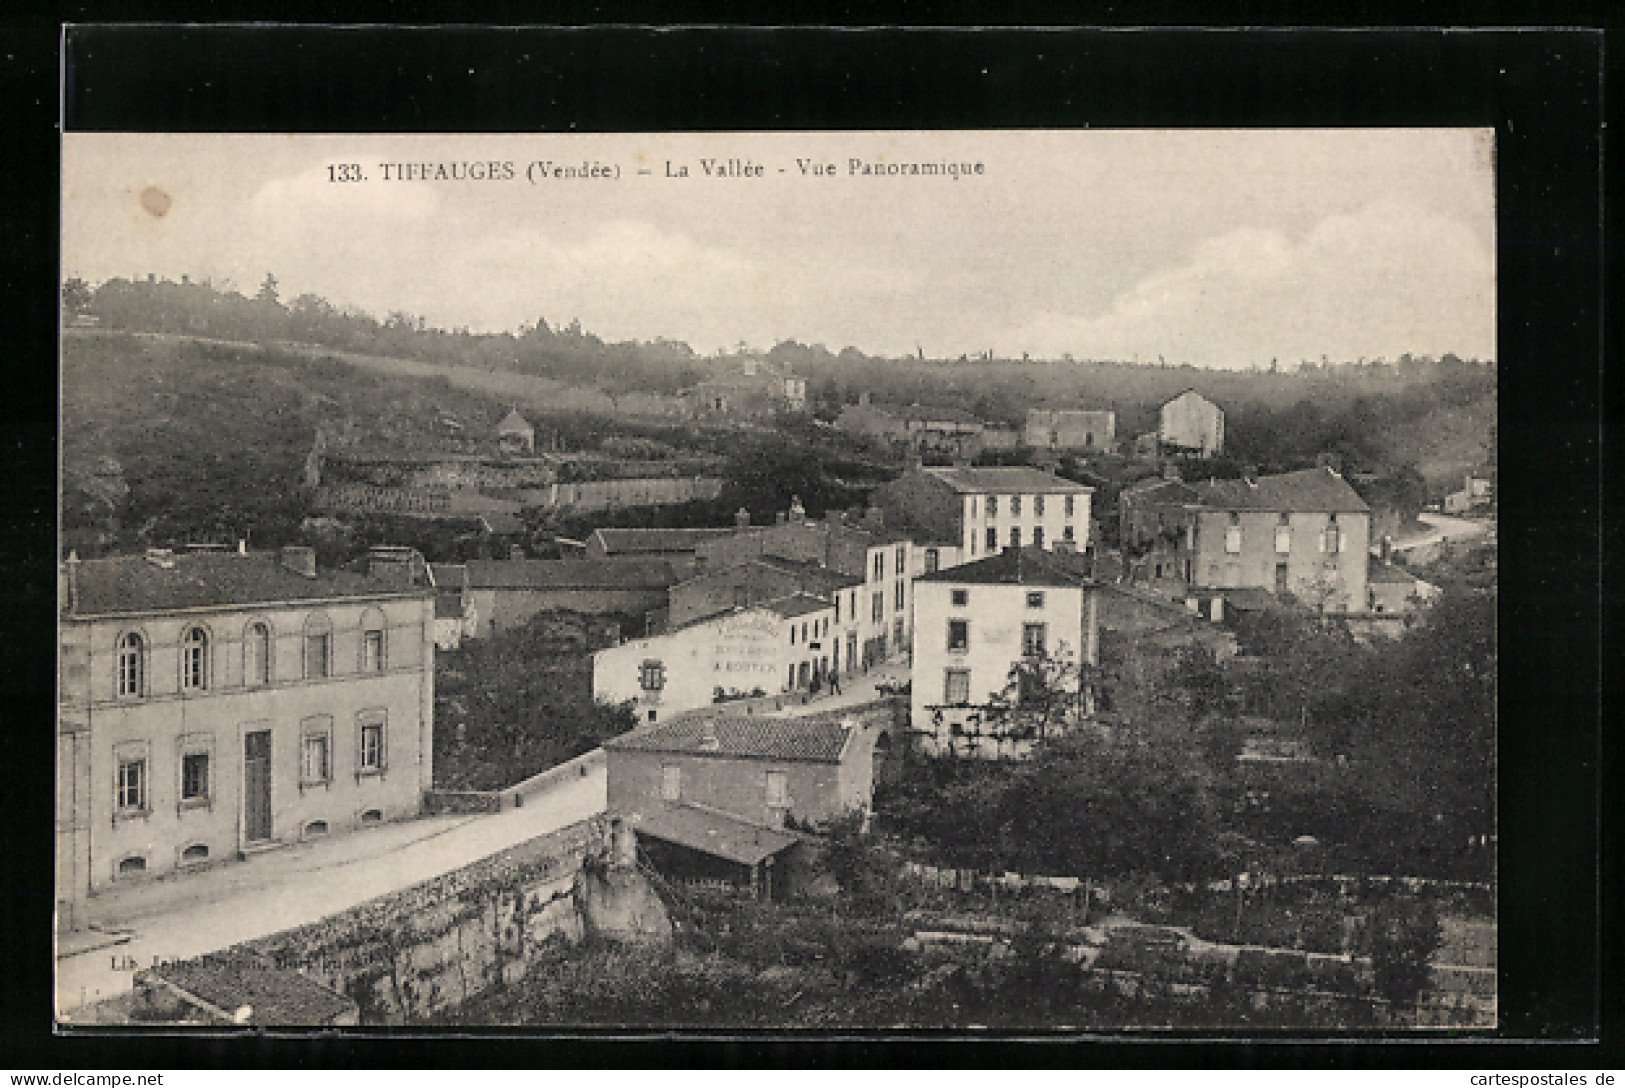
1191	423
753	389
1070	429
219	702
946	432
516	435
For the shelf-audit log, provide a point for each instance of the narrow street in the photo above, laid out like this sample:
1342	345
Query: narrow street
208	911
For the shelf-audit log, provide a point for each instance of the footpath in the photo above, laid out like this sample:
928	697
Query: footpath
131	928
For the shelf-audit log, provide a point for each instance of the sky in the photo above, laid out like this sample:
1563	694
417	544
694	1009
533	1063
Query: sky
1221	248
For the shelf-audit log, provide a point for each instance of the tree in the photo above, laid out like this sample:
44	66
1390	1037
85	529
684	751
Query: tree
1403	935
1042	695
76	296
268	291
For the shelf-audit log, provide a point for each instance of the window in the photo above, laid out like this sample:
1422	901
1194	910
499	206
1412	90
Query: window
1232	540
652	674
958	636
778	789
315	764
131	796
897	596
961	598
1283	540
318	648
992	506
880	566
1038	505
1035	599
671	782
1015	506
372	747
992	539
837	608
1334	537
1066	533
195	853
1038	536
132	665
956	687
194	659
195	776
877	611
902	561
372	651
1015	536
257	655
131	865
931	560
1066	506
973	506
792	634
1032	639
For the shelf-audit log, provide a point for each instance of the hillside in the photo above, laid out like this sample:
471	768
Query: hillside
1446	443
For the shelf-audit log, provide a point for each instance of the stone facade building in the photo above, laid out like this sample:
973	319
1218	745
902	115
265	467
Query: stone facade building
214	704
1070	429
1193	424
957	515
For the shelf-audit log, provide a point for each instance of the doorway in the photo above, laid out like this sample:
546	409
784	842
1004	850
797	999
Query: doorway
257	786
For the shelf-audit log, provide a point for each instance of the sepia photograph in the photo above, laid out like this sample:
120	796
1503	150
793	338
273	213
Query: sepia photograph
1003	580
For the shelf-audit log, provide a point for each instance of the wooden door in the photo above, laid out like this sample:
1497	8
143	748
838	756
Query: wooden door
257	786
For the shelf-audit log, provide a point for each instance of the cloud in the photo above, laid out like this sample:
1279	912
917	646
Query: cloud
1387	278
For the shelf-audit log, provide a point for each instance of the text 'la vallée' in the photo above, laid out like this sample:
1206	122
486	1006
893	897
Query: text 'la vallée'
542	171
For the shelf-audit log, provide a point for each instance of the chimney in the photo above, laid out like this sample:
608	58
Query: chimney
797	511
242	546
741	518
299	559
1387	548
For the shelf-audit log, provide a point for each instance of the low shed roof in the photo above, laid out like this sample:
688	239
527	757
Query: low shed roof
716	833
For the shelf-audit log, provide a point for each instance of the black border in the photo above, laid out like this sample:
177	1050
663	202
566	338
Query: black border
1541	91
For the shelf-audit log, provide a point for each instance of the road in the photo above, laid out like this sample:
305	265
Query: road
209	911
1455	528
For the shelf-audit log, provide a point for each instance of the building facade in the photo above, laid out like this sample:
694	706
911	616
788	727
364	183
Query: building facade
214	704
778	646
1070	429
1192	423
1301	533
977	622
506	593
959	514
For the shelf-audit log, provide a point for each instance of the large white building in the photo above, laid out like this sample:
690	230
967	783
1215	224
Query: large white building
777	646
974	623
957	515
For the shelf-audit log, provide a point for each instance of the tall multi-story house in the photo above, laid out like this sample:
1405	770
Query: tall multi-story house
974	623
214	704
1302	533
1192	423
956	515
1070	429
868	549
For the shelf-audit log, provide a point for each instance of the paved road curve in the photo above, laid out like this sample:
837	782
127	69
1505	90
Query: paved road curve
209	911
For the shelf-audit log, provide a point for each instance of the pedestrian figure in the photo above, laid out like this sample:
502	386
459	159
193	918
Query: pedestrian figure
834	683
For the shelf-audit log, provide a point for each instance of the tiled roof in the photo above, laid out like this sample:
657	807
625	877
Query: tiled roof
448	575
641	541
746	737
813	578
276	996
608	573
1318	490
797	604
917	414
514	423
717	833
214	580
1018	567
1157	490
1017	478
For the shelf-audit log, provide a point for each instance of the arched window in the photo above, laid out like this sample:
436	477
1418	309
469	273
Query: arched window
195	659
197	852
132	865
257	654
132	665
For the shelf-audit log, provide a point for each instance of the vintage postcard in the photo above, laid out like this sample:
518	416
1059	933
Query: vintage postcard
1011	580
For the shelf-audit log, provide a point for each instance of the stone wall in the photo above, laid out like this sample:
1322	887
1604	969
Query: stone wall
412	955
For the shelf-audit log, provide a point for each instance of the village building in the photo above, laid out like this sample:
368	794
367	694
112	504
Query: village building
778	646
1070	429
866	548
215	704
1393	589
751	389
710	796
1191	423
675	546
1477	493
515	434
957	515
976	623
925	430
1301	533
1152	511
505	593
770	578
